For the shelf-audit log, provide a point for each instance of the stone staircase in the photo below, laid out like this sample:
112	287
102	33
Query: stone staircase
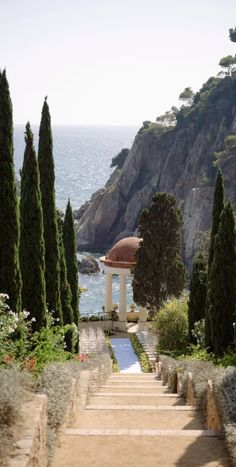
135	421
149	343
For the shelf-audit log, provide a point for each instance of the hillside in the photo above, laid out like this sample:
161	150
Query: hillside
176	159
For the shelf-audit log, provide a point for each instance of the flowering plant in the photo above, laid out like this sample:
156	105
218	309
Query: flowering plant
82	357
14	333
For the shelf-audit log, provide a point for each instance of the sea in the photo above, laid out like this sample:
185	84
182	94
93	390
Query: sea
82	157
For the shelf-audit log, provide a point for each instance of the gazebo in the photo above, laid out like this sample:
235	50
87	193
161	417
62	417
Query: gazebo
120	260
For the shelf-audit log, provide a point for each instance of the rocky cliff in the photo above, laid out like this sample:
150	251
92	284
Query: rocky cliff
178	160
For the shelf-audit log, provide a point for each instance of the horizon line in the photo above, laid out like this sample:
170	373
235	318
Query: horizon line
85	124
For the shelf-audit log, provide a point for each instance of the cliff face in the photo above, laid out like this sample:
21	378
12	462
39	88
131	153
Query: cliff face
179	161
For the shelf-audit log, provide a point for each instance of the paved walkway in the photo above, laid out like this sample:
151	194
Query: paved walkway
135	421
127	359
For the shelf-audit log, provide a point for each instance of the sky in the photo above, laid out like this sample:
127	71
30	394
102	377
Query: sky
109	62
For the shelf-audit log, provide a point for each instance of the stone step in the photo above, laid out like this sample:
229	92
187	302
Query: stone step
145	419
140	432
165	408
136	393
191	450
165	399
142	377
135	389
136	386
162	399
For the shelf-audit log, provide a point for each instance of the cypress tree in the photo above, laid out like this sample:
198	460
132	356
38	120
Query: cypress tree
31	237
47	181
222	283
10	279
159	271
218	205
197	296
71	261
66	296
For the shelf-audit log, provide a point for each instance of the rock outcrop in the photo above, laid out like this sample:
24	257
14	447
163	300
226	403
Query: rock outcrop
178	160
88	265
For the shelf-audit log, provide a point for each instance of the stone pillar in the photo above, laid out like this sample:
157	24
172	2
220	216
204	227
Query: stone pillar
108	293
122	301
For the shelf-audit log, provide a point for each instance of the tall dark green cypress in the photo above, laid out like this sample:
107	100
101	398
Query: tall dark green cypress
10	279
71	262
218	205
66	296
31	237
47	181
197	296
222	283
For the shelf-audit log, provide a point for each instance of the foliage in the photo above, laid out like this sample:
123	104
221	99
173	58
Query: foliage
47	180
115	364
168	119
218	205
140	352
71	261
202	243
19	347
10	281
49	345
119	160
187	96
172	325
230	149
230	142
14	332
31	237
65	291
228	63
222	290
232	34
159	271
197	296
198	333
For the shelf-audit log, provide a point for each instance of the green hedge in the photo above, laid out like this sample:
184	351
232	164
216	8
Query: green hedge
140	352
115	365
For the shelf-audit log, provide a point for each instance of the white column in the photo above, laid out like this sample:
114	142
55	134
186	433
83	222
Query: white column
122	302
108	293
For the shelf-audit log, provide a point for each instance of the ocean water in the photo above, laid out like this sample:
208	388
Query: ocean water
82	158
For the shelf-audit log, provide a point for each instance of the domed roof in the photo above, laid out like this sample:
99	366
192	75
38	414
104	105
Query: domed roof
122	253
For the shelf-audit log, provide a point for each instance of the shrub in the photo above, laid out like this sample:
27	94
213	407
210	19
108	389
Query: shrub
14	333
172	325
140	352
115	364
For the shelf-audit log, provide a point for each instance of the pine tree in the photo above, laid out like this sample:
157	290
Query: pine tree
71	262
218	205
159	271
222	283
10	279
31	237
197	296
66	296
47	181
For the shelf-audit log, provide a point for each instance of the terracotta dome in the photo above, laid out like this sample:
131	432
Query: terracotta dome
122	253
